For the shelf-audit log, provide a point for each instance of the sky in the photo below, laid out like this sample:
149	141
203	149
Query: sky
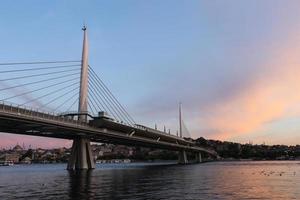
234	65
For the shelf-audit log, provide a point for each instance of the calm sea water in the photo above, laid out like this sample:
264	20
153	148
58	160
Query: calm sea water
218	180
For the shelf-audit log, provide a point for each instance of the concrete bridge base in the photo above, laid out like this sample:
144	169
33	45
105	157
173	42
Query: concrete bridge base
198	157
182	158
81	155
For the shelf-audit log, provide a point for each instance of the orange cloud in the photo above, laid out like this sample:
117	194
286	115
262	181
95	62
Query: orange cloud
273	95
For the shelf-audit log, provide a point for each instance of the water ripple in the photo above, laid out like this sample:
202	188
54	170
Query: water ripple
220	180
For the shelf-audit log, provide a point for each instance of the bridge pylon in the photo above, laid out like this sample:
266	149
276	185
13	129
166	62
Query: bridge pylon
182	157
198	157
81	155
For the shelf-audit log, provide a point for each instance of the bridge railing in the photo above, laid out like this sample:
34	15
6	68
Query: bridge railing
12	108
15	109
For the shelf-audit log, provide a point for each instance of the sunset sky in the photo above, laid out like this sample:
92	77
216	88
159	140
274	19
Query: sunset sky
235	65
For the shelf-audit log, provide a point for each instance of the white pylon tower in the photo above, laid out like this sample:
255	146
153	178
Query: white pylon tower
182	156
180	121
83	93
81	155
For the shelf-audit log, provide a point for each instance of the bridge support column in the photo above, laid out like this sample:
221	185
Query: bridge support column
198	157
81	155
182	158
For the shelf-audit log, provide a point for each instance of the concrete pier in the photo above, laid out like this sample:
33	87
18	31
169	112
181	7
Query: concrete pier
81	155
182	158
198	157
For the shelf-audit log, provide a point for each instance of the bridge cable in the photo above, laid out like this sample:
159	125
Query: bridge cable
100	107
39	68
110	93
113	98
110	107
67	100
47	94
41	62
104	93
110	102
95	104
97	100
55	99
76	78
40	81
70	107
94	112
43	74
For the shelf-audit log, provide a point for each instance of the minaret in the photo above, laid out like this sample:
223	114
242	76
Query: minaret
180	121
83	93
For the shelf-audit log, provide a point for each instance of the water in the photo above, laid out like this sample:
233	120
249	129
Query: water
218	180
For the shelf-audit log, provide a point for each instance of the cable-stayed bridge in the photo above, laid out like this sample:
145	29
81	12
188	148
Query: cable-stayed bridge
67	99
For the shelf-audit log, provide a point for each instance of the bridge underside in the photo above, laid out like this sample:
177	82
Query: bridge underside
66	131
99	130
54	131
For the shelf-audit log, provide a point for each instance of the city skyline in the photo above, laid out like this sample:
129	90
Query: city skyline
236	73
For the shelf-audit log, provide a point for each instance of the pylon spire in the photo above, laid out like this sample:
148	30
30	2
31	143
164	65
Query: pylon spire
83	93
180	121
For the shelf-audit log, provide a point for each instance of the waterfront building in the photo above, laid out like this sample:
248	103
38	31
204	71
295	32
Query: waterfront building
12	157
17	148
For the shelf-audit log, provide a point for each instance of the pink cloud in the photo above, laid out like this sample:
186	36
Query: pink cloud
273	95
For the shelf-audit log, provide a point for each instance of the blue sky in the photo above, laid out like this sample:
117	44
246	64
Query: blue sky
222	59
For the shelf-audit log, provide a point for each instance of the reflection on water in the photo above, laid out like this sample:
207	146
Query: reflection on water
80	182
220	180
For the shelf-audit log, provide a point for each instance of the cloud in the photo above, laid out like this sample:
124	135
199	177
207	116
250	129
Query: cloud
271	96
231	101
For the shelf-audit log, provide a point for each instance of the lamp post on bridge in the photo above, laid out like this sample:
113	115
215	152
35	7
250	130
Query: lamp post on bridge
81	155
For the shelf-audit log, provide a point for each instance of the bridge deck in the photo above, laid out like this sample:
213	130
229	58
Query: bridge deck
18	120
